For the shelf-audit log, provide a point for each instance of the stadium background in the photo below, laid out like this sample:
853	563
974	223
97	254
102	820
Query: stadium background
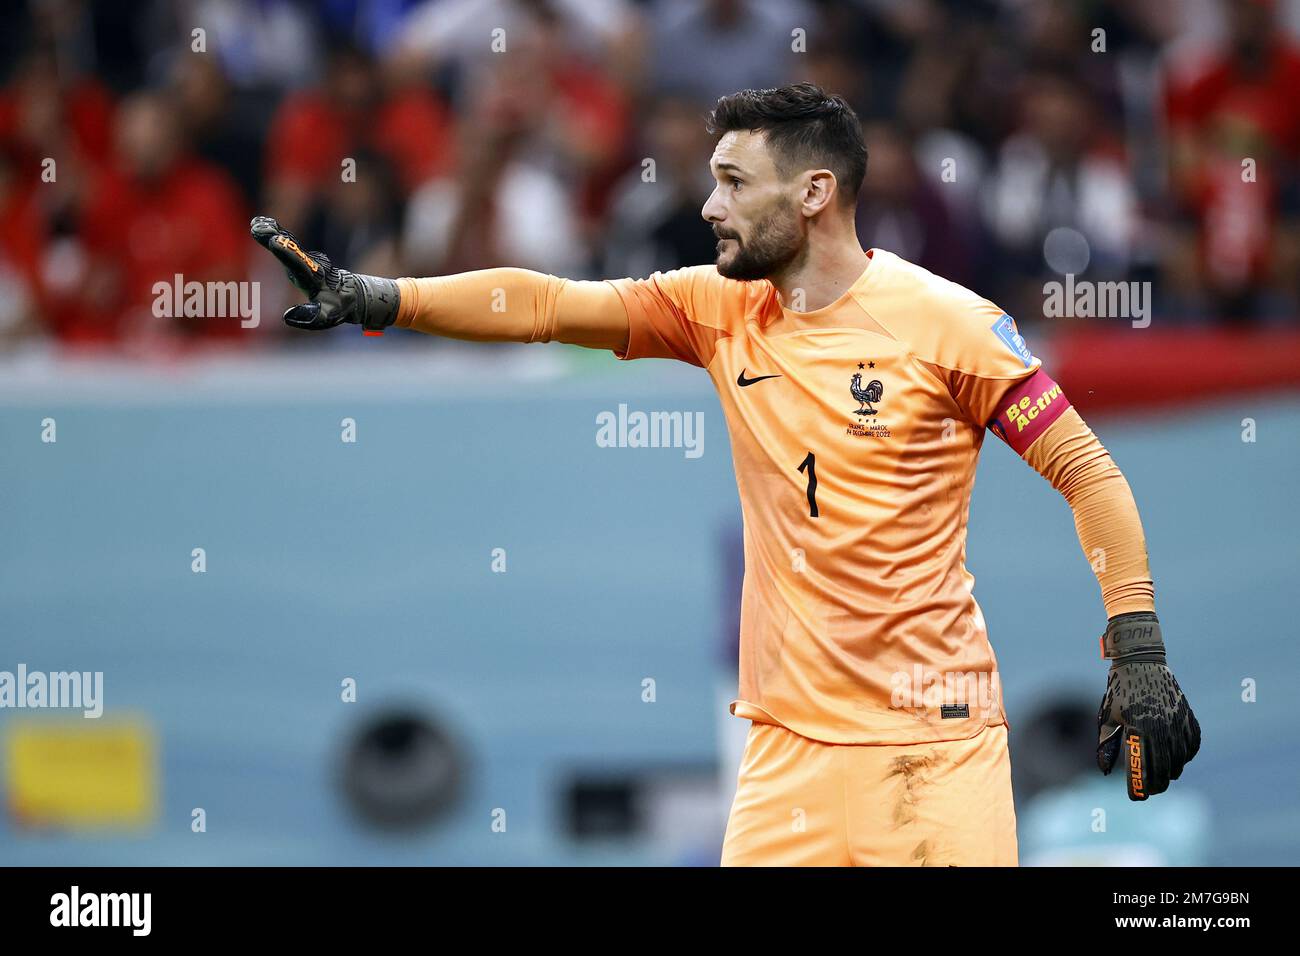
372	560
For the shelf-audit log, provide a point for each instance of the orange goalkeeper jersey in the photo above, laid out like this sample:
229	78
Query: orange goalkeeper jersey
854	431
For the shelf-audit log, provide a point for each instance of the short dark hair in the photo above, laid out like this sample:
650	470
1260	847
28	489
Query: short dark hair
806	128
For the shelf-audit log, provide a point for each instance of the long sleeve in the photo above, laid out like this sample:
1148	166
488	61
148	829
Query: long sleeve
514	305
1077	465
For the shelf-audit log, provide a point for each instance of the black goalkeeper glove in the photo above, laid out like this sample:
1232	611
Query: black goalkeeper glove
1144	714
337	296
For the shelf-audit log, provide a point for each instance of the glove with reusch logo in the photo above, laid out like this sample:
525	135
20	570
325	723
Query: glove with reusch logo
1144	721
337	296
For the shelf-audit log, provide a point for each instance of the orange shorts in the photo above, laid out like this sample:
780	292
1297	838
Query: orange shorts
802	802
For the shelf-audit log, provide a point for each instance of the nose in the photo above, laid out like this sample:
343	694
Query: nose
712	211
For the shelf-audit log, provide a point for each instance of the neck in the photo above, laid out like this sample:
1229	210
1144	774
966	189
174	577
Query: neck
827	269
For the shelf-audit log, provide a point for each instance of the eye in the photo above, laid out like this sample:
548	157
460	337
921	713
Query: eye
736	184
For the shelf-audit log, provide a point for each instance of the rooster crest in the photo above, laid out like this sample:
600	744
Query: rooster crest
865	396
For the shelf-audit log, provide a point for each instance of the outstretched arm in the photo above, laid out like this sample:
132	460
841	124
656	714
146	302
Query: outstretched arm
514	305
488	305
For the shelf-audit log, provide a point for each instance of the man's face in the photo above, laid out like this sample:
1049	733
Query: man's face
754	214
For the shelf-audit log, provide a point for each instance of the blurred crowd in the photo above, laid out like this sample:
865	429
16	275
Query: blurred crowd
1010	141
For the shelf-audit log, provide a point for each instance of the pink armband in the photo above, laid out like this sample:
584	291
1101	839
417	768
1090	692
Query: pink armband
1027	410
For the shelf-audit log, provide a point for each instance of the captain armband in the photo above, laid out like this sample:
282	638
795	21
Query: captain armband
1027	411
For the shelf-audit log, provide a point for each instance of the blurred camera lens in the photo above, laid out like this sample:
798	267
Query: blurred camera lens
401	770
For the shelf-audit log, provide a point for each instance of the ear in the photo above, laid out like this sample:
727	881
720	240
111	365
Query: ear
819	192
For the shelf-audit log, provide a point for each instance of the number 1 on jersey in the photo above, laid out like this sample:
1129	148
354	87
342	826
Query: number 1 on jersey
810	464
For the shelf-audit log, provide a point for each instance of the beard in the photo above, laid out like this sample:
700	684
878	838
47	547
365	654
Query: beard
775	241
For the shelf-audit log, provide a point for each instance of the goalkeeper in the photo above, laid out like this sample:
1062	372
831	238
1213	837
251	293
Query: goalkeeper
856	421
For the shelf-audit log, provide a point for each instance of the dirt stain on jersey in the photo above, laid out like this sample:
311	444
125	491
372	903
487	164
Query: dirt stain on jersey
915	771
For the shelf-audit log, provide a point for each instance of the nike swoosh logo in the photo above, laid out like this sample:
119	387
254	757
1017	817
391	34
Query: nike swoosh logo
742	381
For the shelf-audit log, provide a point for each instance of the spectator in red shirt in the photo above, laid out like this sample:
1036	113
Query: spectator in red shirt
156	212
55	132
313	132
1224	107
21	243
46	113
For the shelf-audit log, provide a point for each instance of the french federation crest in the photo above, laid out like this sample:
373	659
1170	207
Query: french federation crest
867	396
